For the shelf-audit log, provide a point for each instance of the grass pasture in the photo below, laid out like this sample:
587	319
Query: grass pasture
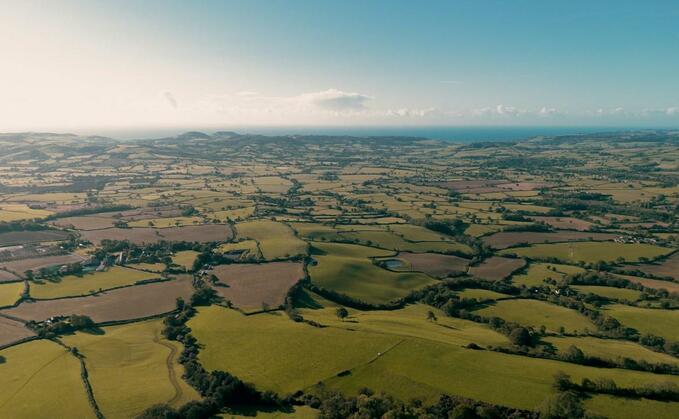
41	377
10	293
346	268
609	292
504	240
589	252
537	273
657	322
611	349
277	354
537	313
131	367
185	259
72	285
276	240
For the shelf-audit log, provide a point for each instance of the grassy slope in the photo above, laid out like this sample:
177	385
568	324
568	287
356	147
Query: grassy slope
612	349
128	368
658	322
347	269
537	313
41	378
609	292
591	251
277	354
276	240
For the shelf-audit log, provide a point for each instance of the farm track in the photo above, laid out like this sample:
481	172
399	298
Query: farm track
170	369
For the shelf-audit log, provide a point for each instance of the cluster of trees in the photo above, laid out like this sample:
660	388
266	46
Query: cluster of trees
219	389
334	405
59	326
89	211
666	391
21	225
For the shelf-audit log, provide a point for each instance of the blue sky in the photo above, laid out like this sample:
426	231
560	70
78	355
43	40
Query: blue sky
72	64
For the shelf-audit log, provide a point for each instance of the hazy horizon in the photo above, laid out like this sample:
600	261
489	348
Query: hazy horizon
75	65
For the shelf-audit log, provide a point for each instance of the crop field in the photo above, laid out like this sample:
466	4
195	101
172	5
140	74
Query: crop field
12	238
14	212
668	268
85	222
496	268
504	240
664	323
590	252
276	240
140	235
621	408
44	368
347	269
121	304
10	293
670	286
251	286
12	331
131	367
435	265
6	276
537	313
33	264
73	286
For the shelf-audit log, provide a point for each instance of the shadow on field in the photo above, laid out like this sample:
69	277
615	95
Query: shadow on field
254	411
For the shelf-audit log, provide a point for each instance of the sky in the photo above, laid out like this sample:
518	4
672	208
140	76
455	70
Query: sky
95	64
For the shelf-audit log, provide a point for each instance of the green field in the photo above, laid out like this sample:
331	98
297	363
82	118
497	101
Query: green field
537	313
391	241
620	408
41	379
129	368
277	354
538	272
611	349
590	252
347	269
71	285
609	292
10	293
481	294
151	267
657	322
276	240
185	259
424	369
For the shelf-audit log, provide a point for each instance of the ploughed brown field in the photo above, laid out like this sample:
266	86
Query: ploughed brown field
7	276
12	331
22	265
496	268
252	285
435	264
200	233
653	283
507	239
121	304
568	223
667	268
85	222
24	237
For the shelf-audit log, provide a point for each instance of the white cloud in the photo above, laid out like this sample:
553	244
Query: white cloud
545	111
335	100
171	100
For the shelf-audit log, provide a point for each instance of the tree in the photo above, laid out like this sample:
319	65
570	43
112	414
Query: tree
520	336
562	405
342	313
431	316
